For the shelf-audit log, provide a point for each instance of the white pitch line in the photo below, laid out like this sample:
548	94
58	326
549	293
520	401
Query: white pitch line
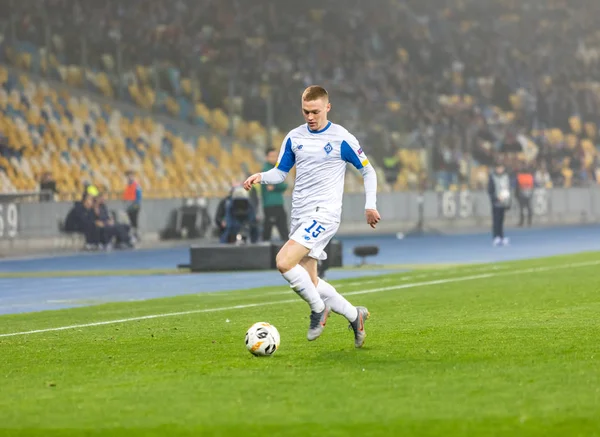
261	304
365	282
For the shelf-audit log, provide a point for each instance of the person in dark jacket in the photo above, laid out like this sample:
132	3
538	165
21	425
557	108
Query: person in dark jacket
48	188
221	213
81	218
220	222
233	213
499	185
110	230
272	198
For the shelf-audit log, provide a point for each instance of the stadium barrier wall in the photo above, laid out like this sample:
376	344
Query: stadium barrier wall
36	225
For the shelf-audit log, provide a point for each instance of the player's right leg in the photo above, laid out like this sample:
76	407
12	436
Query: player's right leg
288	263
356	316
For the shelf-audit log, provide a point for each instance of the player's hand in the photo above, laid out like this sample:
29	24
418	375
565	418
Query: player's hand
254	179
373	217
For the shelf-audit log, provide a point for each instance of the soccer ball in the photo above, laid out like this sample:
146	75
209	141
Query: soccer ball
262	339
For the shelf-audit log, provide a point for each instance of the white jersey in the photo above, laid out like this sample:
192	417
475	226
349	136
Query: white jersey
320	158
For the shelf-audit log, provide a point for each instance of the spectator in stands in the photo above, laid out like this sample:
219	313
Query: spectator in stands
391	168
240	217
272	199
499	192
542	177
133	195
221	213
81	218
220	222
89	189
524	193
501	57
48	187
108	229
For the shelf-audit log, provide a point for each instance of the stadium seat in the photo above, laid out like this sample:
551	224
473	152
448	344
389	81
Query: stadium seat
591	130
575	124
96	149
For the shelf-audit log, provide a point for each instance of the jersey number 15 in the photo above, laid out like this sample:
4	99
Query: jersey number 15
317	231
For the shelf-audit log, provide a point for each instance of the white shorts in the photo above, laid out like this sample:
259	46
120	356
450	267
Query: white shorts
314	234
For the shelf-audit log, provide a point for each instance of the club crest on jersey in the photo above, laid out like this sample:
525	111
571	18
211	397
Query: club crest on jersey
328	148
300	146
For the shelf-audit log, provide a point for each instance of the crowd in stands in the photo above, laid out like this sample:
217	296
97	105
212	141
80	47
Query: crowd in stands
46	130
437	91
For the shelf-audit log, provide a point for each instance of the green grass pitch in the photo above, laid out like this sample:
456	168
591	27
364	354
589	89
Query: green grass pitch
509	349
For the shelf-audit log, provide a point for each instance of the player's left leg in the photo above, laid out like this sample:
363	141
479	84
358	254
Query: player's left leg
356	316
288	263
328	293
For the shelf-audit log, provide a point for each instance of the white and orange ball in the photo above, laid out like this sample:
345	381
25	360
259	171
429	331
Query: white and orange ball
262	339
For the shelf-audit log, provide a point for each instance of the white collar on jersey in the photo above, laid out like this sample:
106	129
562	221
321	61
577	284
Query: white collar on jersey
319	131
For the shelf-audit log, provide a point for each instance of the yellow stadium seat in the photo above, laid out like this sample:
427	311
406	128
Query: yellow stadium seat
575	124
104	85
134	92
24	61
74	76
393	106
571	141
515	101
241	131
186	86
106	161
202	111
556	136
401	182
142	74
172	106
568	175
588	146
591	130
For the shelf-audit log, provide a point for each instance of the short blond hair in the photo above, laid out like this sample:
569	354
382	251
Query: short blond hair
315	92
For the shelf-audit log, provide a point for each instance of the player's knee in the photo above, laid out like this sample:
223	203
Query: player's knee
283	264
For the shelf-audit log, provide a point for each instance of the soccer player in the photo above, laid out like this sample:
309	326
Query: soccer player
320	151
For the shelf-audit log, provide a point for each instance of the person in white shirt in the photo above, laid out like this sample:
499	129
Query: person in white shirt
320	150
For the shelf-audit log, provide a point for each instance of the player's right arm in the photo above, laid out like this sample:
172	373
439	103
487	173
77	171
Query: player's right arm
277	174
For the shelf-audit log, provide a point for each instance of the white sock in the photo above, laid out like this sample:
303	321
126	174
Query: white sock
336	301
300	281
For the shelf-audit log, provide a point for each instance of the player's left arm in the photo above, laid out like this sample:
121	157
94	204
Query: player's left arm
352	152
